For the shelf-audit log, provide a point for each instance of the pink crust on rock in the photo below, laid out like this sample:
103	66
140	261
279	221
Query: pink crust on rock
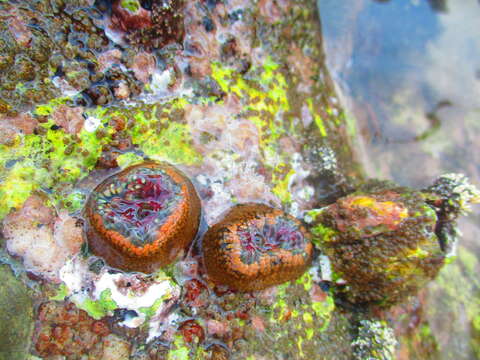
42	239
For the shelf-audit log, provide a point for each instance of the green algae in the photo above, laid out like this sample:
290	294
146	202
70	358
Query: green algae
295	325
321	233
61	293
131	5
129	159
170	140
101	307
179	350
42	162
317	118
54	161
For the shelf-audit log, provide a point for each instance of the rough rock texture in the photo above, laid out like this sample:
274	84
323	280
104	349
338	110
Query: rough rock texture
16	317
238	99
381	240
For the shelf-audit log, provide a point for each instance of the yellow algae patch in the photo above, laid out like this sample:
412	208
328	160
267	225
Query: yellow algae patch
396	211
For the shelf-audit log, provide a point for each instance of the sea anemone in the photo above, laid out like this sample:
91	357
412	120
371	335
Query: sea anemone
381	241
142	217
256	246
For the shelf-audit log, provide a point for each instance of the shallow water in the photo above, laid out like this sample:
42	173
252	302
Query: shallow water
409	72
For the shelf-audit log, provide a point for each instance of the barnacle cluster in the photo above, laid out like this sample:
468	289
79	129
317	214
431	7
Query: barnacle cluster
150	24
450	196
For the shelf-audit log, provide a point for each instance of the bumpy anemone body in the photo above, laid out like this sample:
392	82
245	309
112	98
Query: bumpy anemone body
143	217
255	247
381	240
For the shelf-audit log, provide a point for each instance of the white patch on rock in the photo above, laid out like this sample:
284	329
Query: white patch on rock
130	300
65	88
159	324
92	123
160	80
326	268
42	239
74	274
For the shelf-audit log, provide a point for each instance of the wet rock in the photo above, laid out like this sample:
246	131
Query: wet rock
16	316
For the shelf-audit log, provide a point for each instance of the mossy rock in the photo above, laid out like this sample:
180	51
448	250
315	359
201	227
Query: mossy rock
381	240
16	317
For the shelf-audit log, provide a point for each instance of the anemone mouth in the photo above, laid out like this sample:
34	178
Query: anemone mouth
136	204
257	240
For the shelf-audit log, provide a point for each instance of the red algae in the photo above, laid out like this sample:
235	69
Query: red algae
143	217
159	25
130	20
255	247
192	331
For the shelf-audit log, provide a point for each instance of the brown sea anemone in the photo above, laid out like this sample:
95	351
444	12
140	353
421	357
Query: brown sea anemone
142	217
256	246
381	240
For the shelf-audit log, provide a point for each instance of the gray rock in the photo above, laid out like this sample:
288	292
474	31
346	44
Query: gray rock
16	317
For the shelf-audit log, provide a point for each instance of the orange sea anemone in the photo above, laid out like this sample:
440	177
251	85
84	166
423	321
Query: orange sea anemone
256	246
142	217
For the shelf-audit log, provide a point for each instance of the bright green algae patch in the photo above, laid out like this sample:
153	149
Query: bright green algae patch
51	162
160	133
101	307
54	161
